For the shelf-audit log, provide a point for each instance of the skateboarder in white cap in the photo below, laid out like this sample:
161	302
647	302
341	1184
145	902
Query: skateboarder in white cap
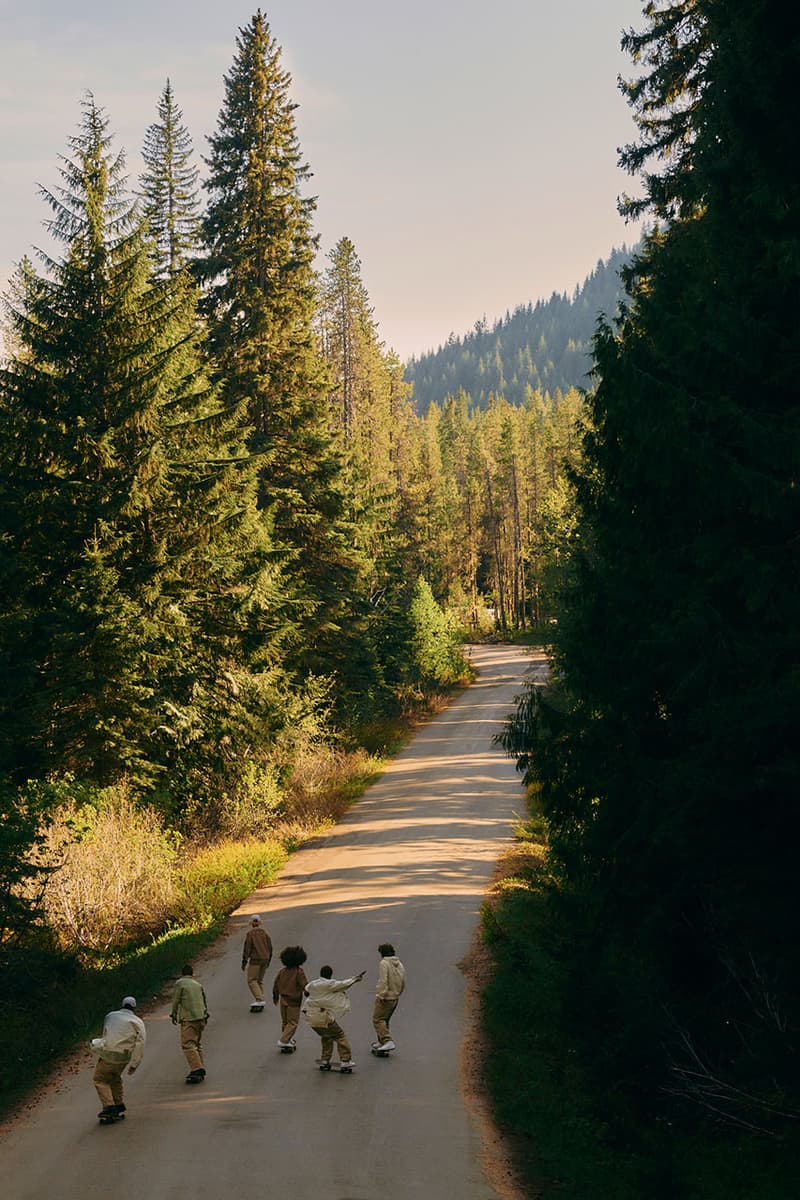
121	1046
256	957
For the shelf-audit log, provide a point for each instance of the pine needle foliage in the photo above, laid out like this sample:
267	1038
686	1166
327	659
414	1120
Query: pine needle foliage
668	752
144	605
169	189
259	301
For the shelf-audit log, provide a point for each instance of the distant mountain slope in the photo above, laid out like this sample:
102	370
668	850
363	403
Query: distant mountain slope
546	345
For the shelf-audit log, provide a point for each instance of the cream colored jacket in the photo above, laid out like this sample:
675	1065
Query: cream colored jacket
123	1038
391	979
326	1000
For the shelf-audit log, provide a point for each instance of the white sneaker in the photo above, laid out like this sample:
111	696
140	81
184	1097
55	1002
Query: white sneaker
387	1045
286	1045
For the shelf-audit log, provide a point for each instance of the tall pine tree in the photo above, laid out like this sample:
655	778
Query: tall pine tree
137	572
169	188
260	301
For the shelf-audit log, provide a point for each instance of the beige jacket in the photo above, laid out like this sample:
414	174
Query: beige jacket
123	1038
391	978
327	1000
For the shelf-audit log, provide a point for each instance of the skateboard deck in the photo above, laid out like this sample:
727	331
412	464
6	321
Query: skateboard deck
344	1068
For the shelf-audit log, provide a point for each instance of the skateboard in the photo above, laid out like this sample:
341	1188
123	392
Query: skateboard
110	1118
195	1077
287	1049
344	1068
380	1053
256	1008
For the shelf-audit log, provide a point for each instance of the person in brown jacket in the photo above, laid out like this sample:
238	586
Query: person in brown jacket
256	957
288	991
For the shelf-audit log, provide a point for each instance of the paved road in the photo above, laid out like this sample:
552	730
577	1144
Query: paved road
408	865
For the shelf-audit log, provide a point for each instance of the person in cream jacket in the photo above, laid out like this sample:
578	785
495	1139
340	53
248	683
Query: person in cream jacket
391	982
325	1001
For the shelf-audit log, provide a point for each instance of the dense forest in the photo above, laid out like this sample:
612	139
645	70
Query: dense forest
543	347
239	539
231	550
665	747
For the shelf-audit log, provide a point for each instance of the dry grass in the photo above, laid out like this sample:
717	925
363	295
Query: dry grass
113	879
324	783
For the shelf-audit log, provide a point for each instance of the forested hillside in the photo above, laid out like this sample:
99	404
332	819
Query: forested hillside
232	555
546	346
240	542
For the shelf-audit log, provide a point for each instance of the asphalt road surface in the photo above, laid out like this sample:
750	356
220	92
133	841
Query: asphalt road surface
408	865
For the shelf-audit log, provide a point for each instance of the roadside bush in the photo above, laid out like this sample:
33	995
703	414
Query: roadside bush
323	783
111	880
437	659
215	880
251	808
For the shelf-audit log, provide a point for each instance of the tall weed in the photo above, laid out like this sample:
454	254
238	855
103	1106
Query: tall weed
111	879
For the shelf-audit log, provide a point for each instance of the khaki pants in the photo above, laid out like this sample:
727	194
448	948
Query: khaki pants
191	1036
330	1034
255	977
290	1018
381	1015
107	1080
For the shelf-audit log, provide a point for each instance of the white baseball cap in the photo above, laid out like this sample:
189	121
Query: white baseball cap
129	1002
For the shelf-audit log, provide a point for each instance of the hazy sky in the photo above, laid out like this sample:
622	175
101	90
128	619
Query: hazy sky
467	148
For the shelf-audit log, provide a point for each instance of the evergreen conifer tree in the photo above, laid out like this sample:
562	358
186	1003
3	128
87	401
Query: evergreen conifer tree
137	571
260	302
169	188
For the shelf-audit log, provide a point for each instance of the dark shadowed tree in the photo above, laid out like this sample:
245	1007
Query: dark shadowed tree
671	763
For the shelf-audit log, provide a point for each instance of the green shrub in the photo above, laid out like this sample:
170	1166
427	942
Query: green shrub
216	879
437	657
251	808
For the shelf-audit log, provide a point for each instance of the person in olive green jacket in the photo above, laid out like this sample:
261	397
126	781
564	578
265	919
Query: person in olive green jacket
190	1011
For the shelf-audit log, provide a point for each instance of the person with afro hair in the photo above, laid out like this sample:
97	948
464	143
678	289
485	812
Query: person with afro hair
287	990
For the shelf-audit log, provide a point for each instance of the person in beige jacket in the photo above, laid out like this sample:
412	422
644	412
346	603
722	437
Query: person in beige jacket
121	1046
391	982
256	957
